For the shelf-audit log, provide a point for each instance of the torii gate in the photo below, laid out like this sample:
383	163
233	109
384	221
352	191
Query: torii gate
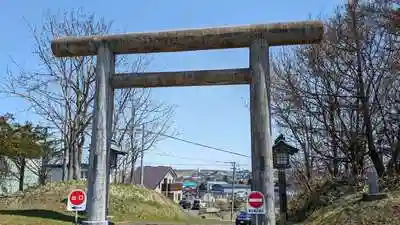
257	37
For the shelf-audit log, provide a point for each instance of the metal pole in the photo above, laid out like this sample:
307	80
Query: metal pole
64	136
260	127
141	158
282	196
233	188
76	217
197	186
133	169
101	135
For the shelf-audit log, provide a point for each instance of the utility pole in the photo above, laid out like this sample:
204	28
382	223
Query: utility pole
142	156
133	112
64	138
233	188
197	186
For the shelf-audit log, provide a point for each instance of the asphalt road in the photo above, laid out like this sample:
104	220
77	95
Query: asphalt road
192	212
226	215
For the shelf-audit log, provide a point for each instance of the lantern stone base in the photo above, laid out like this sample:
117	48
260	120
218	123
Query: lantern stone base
373	197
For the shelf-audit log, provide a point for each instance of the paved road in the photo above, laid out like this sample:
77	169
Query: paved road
192	212
208	221
225	215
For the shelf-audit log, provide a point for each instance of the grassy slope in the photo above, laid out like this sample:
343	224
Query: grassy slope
47	205
354	211
350	210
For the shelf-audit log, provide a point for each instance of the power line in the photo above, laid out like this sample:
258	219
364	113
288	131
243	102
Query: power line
188	158
224	164
204	160
199	144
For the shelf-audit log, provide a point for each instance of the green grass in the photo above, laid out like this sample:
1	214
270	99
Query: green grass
47	205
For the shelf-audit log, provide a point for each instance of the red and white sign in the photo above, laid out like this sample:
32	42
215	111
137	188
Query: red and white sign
76	200
255	203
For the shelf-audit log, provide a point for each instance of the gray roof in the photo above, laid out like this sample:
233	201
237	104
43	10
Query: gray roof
153	175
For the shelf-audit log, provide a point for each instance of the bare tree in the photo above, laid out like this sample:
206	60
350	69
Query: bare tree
143	113
61	92
337	99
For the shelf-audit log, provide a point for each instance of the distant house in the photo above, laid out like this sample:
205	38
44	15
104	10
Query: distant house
56	171
161	179
242	175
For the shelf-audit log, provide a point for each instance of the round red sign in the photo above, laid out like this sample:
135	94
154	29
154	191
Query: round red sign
77	197
256	199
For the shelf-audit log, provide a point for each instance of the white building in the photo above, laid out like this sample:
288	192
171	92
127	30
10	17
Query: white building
9	182
56	171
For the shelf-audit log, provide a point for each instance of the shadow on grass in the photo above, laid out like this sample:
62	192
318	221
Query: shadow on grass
39	213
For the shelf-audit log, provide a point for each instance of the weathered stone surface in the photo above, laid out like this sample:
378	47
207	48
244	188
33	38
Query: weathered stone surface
182	78
305	32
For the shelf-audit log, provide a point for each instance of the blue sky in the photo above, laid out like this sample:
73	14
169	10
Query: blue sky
214	116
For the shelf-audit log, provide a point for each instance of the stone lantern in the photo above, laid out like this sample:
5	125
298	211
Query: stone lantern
281	158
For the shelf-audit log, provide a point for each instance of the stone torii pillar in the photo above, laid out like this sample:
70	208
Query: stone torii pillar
256	37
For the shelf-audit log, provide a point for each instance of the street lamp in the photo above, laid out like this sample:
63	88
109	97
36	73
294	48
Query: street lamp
281	152
282	159
115	150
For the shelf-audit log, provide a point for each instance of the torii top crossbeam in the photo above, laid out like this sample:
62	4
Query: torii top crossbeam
305	32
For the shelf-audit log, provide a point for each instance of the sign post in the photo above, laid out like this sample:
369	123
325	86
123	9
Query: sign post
255	203
76	202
